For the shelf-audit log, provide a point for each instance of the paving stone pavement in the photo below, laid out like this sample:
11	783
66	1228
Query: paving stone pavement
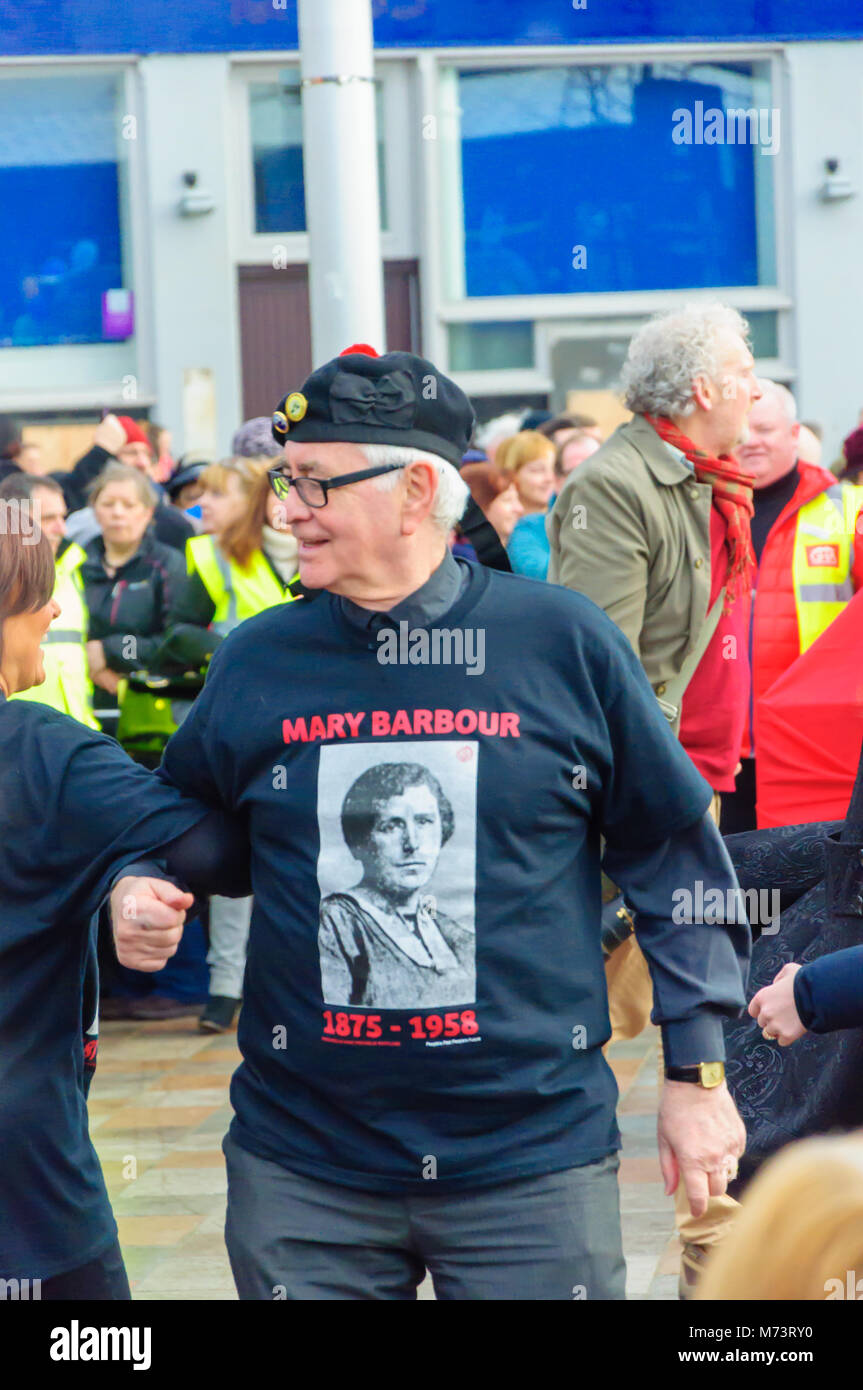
158	1111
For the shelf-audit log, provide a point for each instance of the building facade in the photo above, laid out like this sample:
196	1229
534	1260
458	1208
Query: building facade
549	176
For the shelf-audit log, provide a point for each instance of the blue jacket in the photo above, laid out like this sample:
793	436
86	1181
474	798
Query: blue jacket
528	548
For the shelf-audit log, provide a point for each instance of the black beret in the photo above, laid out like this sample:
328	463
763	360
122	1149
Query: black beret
185	473
361	398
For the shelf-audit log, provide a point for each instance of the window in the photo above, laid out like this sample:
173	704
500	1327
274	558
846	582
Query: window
483	347
62	181
636	176
276	119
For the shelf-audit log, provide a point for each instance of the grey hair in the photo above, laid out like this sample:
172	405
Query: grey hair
501	427
671	350
124	473
452	491
782	395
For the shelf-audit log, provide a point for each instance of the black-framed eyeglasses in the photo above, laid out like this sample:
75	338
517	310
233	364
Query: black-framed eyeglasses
313	491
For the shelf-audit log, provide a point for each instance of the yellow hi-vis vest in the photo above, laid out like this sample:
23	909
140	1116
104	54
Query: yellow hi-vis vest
824	558
67	686
237	593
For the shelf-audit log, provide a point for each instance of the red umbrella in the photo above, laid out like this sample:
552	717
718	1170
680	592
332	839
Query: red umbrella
809	728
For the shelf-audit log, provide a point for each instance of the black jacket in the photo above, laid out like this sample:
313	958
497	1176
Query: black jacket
135	603
8	469
172	528
813	1086
76	482
190	641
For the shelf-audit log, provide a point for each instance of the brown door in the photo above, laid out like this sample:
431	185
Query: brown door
275	327
275	334
402	306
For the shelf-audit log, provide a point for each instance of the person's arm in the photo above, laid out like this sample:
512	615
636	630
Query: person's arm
77	480
821	997
828	992
90	810
479	532
108	438
150	897
599	547
698	971
166	578
188	642
697	952
187	766
144	648
210	857
666	854
788	859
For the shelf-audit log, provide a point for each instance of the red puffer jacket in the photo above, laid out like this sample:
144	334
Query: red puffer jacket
774	632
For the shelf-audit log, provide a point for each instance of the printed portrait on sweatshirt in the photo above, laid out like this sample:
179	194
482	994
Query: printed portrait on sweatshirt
397	874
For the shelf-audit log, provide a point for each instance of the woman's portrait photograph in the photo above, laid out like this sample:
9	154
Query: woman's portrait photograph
398	932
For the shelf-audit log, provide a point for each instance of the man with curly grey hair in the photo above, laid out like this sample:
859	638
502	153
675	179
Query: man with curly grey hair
655	528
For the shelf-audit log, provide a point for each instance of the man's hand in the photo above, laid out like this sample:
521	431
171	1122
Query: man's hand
701	1137
148	916
108	680
774	1008
96	657
109	434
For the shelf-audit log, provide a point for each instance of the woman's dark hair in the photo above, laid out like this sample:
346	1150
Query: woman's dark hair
10	437
377	785
23	485
26	562
571	421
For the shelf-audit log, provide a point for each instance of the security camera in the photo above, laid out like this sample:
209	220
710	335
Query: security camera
836	186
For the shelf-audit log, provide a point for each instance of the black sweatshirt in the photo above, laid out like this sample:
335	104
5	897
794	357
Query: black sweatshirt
134	603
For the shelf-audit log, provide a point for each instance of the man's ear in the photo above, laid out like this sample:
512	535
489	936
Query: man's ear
420	489
703	392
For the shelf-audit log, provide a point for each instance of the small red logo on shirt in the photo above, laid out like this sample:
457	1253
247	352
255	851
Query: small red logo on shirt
821	555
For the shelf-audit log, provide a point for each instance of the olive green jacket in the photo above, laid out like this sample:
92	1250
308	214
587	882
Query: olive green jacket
631	529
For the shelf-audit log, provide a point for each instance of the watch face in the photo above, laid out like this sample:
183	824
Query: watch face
712	1073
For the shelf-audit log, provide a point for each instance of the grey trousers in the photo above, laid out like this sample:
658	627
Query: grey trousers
229	936
554	1237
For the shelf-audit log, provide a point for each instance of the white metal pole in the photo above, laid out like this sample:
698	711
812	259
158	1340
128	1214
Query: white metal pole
341	176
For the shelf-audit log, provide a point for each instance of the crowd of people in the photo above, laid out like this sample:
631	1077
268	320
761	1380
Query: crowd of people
716	549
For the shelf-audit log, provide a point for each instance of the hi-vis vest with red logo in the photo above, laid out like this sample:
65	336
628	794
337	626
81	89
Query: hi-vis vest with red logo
811	567
823	559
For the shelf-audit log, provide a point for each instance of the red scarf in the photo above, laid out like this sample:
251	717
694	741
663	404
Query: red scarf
732	496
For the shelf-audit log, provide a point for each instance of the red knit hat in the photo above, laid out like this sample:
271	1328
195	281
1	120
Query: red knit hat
134	433
853	448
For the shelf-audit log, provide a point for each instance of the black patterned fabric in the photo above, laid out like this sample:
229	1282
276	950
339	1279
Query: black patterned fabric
816	1085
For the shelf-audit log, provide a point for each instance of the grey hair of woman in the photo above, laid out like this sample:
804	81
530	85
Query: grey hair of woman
123	473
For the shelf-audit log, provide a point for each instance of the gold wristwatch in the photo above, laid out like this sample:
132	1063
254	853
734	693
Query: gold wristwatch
706	1074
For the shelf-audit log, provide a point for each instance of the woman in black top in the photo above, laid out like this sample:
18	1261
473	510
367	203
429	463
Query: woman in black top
130	580
74	813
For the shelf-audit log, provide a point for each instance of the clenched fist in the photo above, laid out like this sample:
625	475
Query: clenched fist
110	435
147	916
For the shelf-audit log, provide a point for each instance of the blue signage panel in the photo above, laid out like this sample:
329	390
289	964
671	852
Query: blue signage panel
36	27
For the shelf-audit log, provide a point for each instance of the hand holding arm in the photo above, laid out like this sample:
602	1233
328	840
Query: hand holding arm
775	1011
147	916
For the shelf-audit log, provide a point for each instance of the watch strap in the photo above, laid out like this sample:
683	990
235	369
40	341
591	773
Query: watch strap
706	1074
